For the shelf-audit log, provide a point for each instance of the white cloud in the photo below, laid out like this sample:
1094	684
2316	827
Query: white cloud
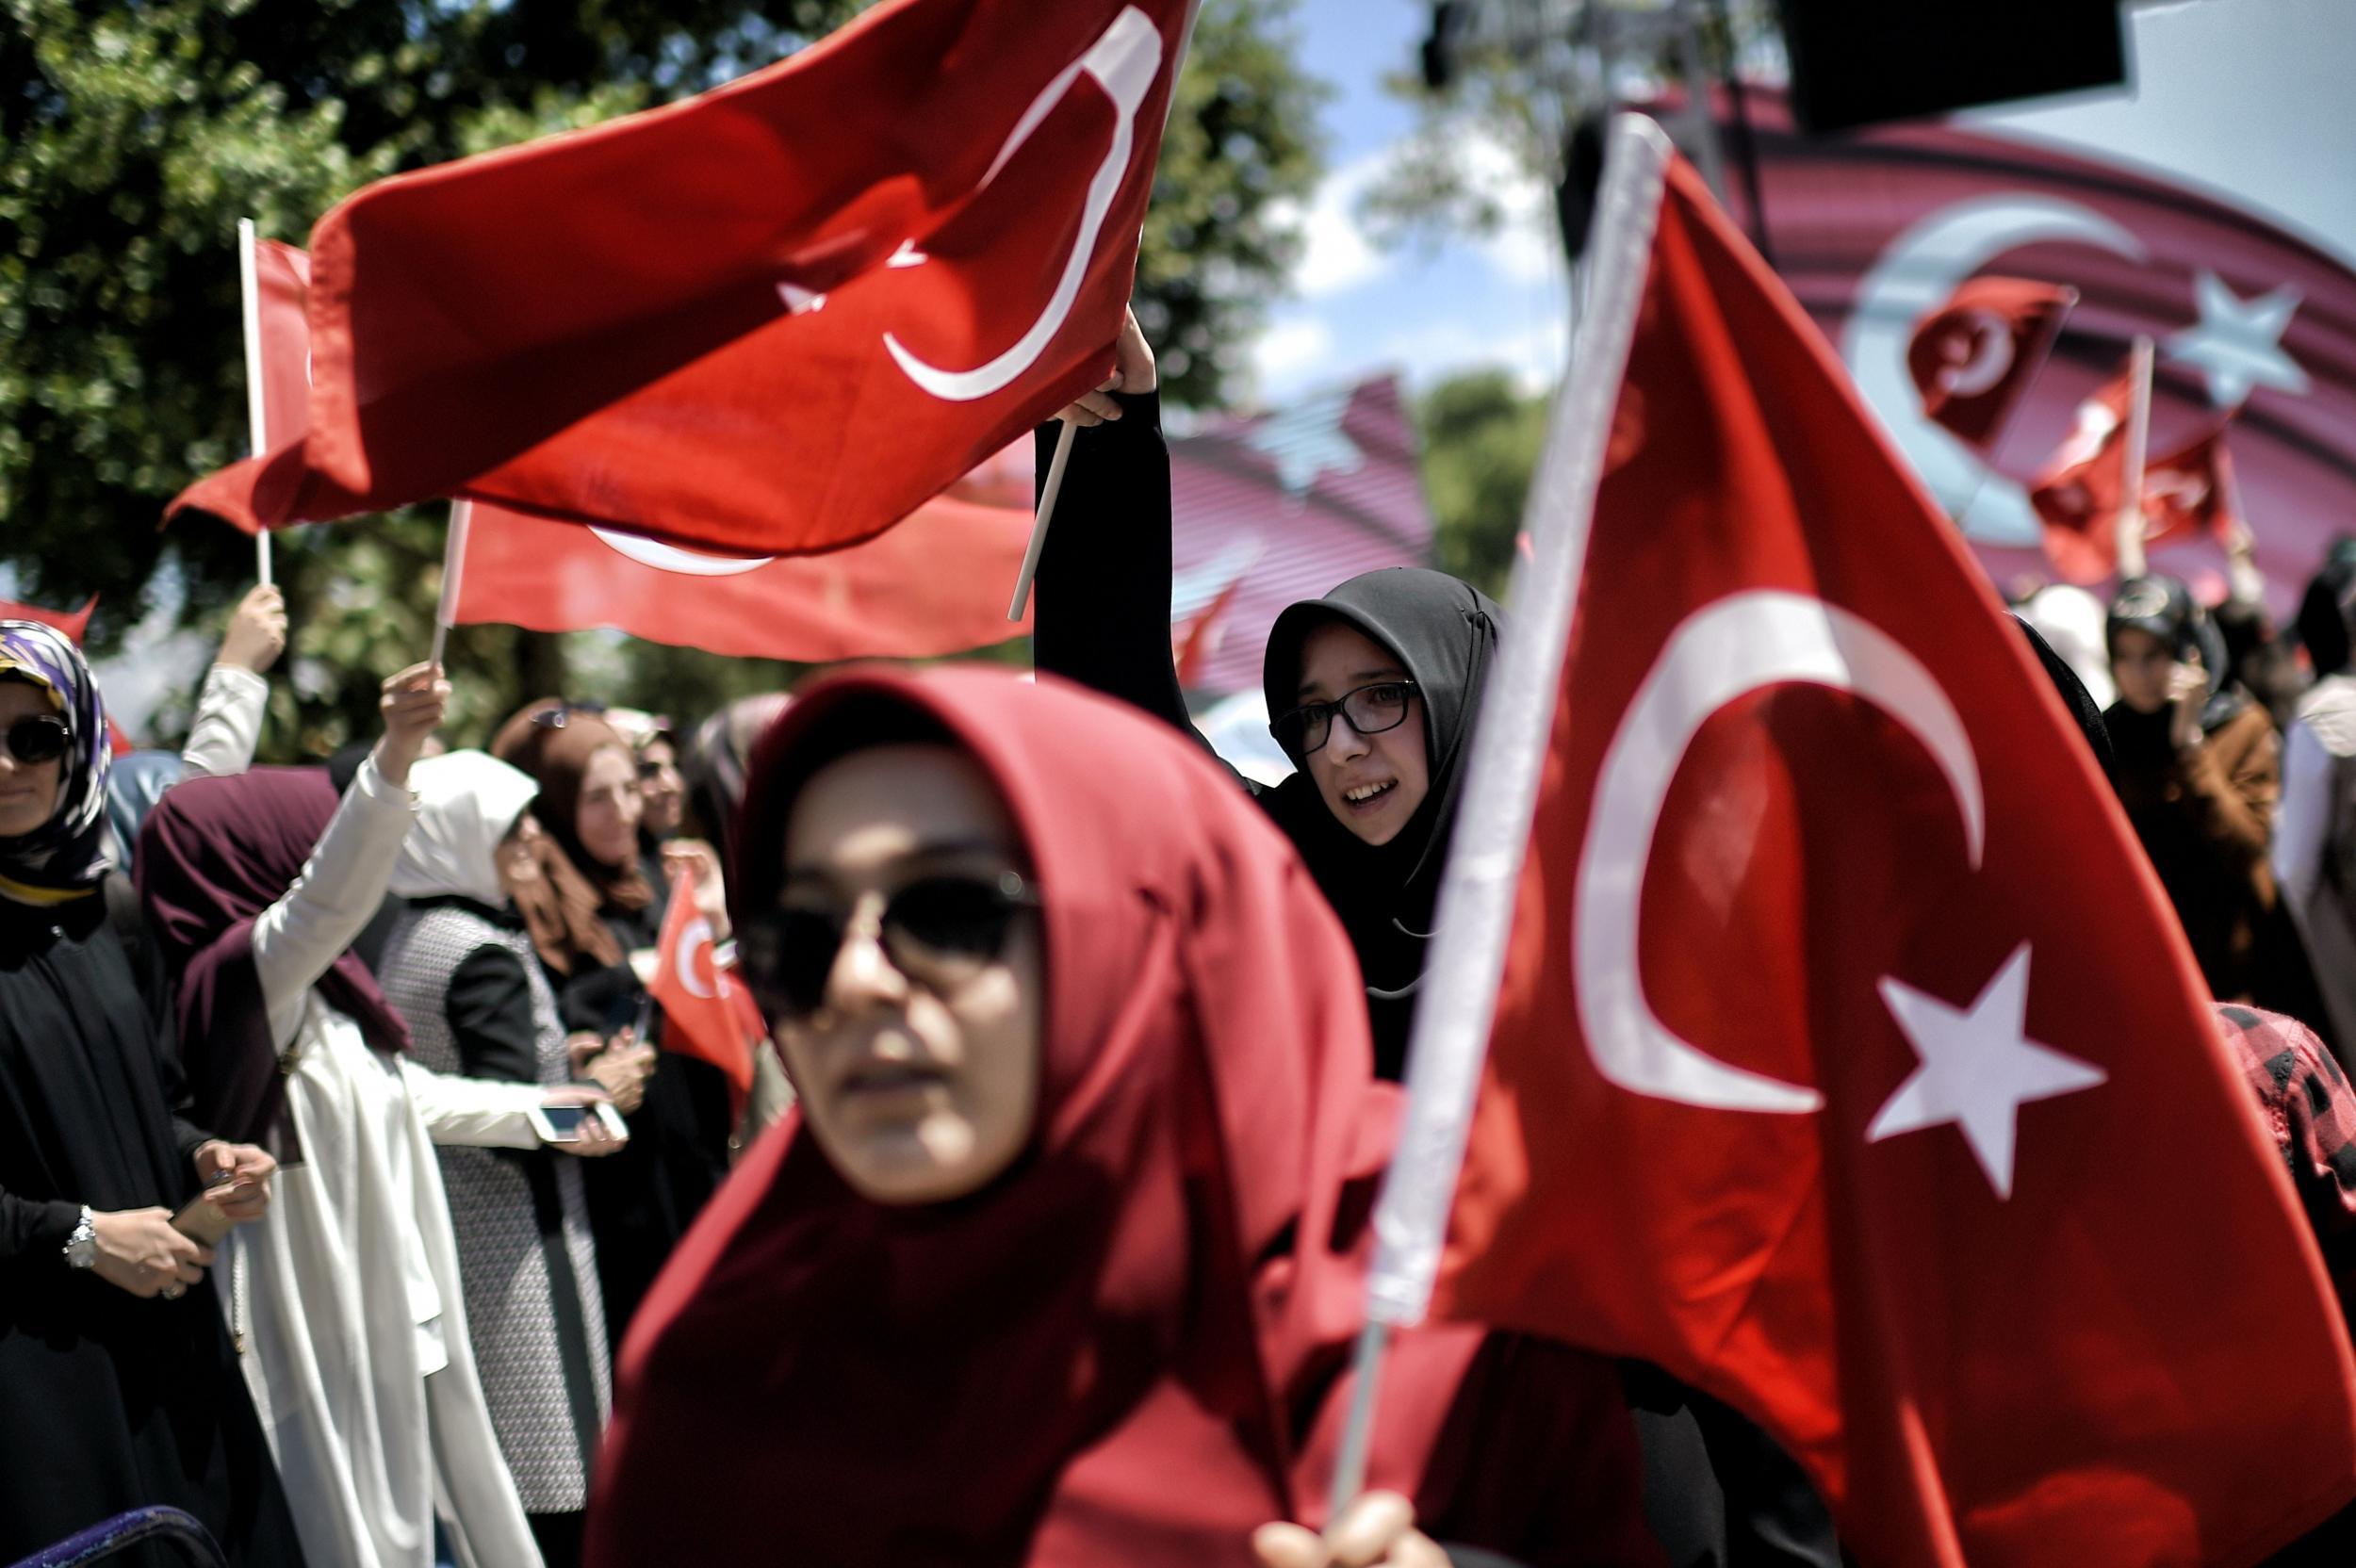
1292	349
1335	255
1526	248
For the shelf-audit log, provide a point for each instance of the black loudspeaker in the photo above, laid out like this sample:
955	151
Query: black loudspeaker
1855	62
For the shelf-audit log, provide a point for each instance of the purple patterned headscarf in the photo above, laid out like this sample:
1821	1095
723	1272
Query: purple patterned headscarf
65	857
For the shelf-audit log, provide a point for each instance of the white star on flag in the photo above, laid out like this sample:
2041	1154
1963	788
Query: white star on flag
1307	439
1979	1067
2238	343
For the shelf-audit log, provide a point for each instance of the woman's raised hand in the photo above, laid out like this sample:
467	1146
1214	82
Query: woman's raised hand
140	1252
1376	1531
413	705
1133	372
257	630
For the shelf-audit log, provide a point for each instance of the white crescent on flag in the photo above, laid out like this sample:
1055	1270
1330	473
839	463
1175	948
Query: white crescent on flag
1124	62
1740	645
697	933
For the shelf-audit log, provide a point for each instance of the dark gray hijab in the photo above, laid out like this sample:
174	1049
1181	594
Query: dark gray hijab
1444	632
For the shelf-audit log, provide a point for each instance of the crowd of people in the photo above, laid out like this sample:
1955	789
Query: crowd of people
348	1202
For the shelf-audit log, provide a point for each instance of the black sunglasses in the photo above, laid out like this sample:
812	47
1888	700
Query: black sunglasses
1370	709
39	738
939	931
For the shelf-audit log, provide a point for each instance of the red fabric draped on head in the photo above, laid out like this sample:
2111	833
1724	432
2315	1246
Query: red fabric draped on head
1088	1360
212	856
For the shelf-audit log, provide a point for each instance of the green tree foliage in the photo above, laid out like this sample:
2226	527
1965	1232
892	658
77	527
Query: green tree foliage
1481	437
135	133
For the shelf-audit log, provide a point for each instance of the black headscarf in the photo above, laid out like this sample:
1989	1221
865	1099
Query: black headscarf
1444	632
2164	607
2327	616
2083	709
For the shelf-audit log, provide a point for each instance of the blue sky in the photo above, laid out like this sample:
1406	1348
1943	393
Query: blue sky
2251	97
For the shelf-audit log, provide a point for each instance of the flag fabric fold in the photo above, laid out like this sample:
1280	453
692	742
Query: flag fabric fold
770	320
1845	1061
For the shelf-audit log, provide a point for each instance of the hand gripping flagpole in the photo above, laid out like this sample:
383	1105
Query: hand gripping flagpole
257	405
453	568
1047	495
1477	897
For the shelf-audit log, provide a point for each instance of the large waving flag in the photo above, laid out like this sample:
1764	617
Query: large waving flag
1846	1060
925	588
769	320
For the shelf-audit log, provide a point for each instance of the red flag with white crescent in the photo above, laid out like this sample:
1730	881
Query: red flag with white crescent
773	319
926	588
702	1019
2190	492
2078	495
1847	1061
1973	358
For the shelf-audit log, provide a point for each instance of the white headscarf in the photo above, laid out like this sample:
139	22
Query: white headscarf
467	803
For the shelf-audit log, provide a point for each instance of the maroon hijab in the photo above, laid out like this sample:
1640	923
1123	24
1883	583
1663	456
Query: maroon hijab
213	855
1082	1362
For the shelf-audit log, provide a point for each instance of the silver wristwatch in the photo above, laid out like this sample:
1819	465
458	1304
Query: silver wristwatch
81	1247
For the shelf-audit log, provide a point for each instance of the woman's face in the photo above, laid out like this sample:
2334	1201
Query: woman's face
1371	783
518	852
2140	666
28	791
661	793
920	1083
607	815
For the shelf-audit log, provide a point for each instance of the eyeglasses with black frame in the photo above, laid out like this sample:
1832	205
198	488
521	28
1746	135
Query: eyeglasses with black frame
940	930
39	738
1370	709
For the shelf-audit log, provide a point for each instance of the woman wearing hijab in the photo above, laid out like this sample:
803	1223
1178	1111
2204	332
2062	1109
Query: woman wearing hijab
1372	691
118	1384
2199	771
461	969
595	907
348	1295
2315	835
1061	1258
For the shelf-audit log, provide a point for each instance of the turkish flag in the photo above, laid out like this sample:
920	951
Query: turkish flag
282	288
1847	1060
2083	484
1973	358
2190	491
932	586
770	320
1873	228
702	1017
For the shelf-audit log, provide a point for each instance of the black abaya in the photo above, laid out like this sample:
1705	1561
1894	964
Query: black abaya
107	1402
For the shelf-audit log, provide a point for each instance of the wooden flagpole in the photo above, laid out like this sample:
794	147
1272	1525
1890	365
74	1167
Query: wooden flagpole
1039	526
453	566
257	405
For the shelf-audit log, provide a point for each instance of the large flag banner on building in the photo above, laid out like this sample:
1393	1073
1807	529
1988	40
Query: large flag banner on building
1846	1060
1267	509
772	318
1871	229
